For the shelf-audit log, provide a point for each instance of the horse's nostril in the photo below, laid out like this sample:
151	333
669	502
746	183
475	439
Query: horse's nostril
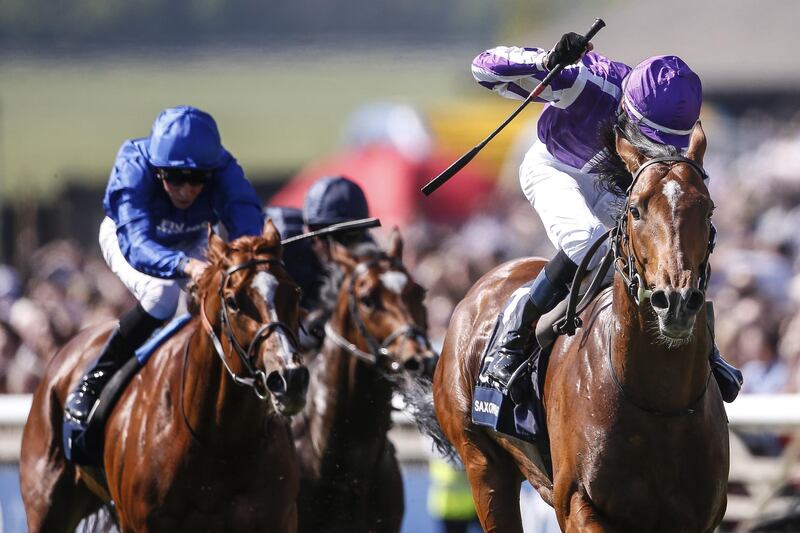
413	365
275	383
659	300
695	301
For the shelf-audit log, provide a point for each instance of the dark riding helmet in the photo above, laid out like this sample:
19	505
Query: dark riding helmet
299	258
184	137
331	200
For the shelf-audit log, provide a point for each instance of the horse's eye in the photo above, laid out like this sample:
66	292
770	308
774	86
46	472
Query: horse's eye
230	301
367	301
635	212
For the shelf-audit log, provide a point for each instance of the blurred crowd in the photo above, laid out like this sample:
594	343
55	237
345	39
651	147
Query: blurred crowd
62	289
754	163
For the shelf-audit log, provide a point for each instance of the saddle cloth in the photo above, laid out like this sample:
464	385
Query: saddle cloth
84	445
524	418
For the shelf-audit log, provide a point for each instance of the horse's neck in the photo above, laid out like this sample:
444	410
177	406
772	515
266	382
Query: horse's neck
211	401
356	409
658	377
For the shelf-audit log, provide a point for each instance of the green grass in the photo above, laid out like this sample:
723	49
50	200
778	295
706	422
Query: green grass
65	120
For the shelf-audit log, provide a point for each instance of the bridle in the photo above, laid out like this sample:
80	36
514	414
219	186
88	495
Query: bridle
626	265
625	260
379	352
254	377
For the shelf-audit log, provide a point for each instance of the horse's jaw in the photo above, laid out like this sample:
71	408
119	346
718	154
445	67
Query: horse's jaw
672	336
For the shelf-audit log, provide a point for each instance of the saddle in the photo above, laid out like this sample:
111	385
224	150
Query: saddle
84	445
521	414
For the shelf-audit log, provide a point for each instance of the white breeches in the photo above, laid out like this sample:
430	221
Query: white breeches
574	211
159	297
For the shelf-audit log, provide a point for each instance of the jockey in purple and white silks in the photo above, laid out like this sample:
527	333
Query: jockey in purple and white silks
163	193
661	96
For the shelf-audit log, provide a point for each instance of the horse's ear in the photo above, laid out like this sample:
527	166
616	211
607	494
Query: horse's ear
396	245
697	144
270	232
341	255
629	154
217	249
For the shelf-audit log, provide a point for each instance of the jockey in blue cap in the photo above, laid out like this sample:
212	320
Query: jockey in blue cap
163	193
661	97
330	200
299	258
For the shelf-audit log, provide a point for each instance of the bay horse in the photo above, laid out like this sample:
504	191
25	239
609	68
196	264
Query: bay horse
637	429
374	342
199	440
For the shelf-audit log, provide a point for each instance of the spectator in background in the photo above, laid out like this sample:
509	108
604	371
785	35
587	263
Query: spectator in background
450	497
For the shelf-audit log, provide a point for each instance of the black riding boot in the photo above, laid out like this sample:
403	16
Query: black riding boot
134	328
515	324
729	378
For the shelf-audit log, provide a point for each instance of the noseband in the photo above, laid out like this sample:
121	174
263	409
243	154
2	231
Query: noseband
626	263
255	378
379	351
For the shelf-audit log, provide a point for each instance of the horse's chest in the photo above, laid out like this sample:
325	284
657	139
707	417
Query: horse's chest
647	485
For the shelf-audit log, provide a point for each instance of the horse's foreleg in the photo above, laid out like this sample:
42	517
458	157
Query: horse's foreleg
583	517
389	493
495	482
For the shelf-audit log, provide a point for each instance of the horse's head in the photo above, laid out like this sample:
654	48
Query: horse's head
248	298
664	238
381	306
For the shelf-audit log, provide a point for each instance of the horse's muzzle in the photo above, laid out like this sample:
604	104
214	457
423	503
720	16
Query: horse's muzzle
289	388
677	310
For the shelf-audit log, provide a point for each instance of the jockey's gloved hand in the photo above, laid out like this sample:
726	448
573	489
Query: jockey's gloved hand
568	50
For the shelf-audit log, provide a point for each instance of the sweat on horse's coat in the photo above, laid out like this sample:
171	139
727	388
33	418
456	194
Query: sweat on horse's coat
186	447
601	389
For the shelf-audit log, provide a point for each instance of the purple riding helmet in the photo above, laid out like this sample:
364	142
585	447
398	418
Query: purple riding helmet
662	96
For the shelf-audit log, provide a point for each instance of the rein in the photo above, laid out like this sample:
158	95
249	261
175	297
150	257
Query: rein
379	351
255	378
626	263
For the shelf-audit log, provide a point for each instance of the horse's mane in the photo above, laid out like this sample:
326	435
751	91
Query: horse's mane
218	256
612	174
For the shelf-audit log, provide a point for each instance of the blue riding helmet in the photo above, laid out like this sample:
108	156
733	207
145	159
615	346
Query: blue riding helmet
299	257
184	137
333	199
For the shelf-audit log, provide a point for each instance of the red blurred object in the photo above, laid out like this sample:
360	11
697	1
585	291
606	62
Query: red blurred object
392	183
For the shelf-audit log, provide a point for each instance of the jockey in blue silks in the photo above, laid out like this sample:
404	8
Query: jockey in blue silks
330	200
163	192
661	96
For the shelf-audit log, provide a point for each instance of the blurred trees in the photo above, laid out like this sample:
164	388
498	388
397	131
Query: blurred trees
43	24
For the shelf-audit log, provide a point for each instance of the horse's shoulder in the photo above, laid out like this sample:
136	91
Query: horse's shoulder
514	272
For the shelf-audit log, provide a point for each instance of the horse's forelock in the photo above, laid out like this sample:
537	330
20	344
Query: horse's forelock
612	174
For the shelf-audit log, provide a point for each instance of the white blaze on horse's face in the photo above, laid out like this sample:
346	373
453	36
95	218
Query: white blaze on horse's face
394	281
672	190
266	285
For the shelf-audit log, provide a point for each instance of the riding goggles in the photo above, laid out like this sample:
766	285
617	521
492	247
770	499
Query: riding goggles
182	176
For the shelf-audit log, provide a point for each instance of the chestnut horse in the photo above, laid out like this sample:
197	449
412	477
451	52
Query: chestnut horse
198	440
637	428
374	342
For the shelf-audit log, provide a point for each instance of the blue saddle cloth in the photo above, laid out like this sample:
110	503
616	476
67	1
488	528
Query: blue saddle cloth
525	419
83	444
159	337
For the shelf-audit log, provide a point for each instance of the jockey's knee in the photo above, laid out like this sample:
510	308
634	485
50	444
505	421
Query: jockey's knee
575	244
161	299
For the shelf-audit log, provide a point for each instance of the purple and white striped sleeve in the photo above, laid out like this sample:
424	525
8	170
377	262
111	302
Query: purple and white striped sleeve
513	72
